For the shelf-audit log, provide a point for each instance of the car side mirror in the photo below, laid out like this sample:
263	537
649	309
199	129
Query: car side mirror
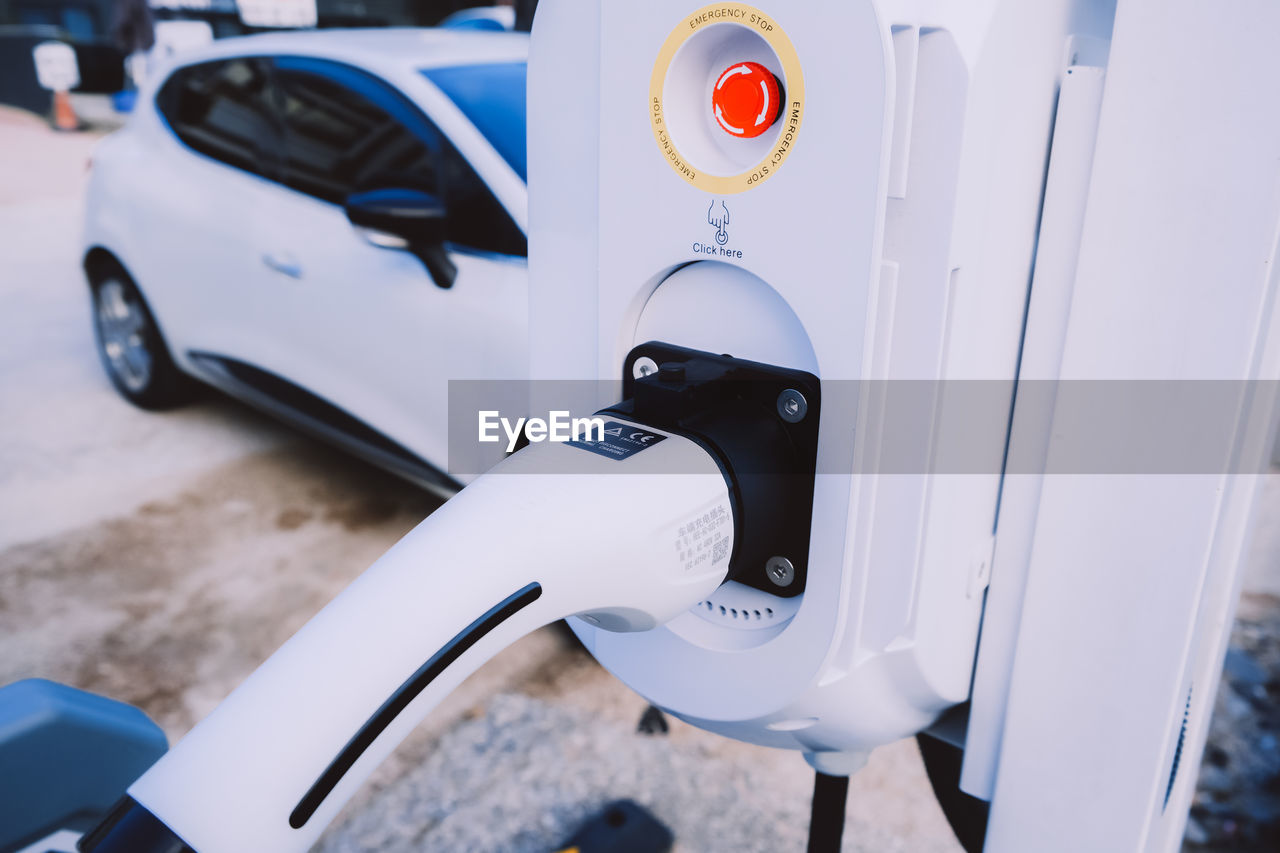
412	220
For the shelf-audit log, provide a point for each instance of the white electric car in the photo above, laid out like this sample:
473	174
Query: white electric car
329	225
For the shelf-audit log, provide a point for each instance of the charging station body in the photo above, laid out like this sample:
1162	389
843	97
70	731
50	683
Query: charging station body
882	229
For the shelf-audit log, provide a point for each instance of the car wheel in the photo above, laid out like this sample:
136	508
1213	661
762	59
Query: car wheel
131	347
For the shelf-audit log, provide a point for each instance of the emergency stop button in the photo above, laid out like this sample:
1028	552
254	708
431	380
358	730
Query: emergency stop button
747	99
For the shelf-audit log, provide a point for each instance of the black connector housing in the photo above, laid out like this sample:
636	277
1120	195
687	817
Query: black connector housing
735	408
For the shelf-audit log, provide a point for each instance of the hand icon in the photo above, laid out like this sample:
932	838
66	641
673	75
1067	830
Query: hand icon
719	219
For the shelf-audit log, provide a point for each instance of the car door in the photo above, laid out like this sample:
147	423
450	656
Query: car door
202	221
370	330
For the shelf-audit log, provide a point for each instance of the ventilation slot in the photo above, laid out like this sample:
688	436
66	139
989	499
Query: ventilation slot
754	614
742	607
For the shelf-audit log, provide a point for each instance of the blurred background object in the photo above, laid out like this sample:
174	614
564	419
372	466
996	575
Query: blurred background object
104	33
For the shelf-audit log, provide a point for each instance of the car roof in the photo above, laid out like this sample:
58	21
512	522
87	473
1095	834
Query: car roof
409	47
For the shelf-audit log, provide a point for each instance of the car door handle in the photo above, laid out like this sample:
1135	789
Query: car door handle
283	263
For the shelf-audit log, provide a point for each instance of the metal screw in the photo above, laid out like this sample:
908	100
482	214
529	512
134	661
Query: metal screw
780	571
643	366
792	406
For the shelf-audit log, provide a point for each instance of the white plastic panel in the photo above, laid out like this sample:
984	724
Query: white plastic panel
1133	578
810	232
1067	187
899	233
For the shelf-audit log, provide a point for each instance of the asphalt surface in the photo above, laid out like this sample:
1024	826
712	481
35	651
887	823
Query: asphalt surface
158	558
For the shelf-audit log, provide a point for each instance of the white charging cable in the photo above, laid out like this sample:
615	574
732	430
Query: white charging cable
556	530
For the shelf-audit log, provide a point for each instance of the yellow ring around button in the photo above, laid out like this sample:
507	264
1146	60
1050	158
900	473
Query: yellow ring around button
793	111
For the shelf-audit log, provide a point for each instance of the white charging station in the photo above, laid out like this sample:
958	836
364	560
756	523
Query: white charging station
883	229
856	195
931	160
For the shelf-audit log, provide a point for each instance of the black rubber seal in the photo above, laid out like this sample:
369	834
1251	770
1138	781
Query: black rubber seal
405	694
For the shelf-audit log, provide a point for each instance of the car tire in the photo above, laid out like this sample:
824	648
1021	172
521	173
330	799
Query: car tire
131	347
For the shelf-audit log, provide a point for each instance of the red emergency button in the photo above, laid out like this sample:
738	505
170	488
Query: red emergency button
746	99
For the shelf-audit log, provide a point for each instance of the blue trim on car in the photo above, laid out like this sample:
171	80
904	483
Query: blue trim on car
492	97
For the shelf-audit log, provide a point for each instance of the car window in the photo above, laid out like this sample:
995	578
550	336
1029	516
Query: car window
493	98
223	109
346	131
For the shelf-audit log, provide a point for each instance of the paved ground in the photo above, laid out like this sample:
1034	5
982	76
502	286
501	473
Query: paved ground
159	558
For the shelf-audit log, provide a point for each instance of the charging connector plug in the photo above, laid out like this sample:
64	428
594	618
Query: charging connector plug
626	542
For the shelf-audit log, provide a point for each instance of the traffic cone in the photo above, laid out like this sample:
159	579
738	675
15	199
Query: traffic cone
64	116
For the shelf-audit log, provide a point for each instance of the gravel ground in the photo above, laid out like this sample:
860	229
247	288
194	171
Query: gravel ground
159	558
1237	801
549	765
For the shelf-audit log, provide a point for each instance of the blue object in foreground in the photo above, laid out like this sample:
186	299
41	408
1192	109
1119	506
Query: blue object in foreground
67	756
